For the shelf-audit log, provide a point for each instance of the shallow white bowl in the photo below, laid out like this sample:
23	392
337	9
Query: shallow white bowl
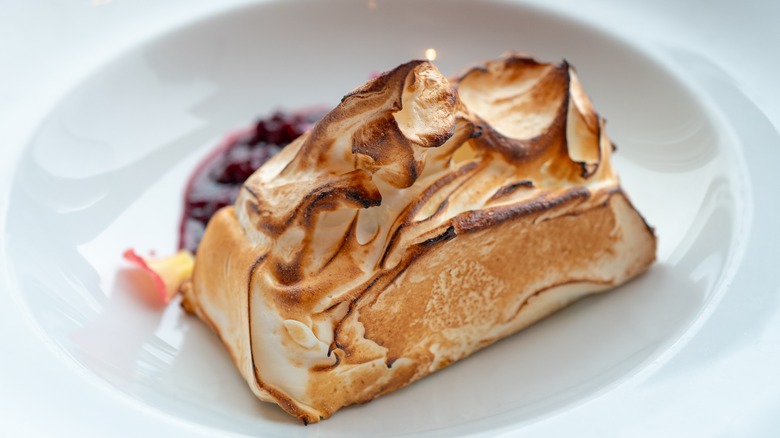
106	169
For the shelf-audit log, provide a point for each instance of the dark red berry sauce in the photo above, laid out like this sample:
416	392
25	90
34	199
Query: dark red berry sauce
218	178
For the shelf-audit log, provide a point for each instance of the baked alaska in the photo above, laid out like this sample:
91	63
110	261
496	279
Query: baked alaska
419	221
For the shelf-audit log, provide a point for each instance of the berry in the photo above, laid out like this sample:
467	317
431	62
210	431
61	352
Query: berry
218	179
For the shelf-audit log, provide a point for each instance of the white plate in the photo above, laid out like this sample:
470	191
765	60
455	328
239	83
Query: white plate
107	154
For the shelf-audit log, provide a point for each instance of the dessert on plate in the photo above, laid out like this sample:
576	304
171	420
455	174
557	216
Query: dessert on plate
419	221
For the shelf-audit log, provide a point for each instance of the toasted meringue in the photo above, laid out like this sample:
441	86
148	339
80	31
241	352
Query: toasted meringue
421	220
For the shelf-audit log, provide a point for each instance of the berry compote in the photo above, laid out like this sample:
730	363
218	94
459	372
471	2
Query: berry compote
218	178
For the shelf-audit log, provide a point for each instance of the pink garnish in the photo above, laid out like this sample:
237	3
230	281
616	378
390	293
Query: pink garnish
167	273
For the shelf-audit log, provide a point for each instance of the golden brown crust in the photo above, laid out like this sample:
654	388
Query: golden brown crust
417	223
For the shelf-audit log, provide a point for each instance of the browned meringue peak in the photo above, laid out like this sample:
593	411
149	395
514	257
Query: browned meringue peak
376	136
538	116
